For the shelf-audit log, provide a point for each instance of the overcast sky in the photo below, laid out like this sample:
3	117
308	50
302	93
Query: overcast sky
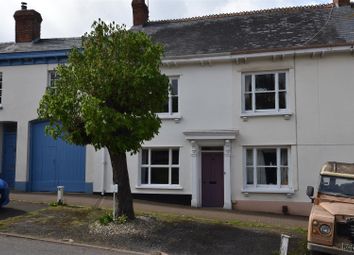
71	18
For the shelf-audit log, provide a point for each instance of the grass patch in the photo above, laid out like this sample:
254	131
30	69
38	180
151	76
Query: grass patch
166	217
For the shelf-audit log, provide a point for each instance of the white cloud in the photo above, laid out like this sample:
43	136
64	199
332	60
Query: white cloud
68	18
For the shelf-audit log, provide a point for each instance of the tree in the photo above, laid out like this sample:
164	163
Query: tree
107	95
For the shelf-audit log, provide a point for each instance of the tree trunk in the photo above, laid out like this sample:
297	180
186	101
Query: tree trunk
124	200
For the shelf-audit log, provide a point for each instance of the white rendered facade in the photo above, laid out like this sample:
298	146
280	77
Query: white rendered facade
315	127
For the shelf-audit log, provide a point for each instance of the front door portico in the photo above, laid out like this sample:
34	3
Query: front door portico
205	138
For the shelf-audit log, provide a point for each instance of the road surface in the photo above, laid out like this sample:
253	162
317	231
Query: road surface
21	246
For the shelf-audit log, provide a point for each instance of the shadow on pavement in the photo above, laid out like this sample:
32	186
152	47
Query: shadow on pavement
15	208
6	212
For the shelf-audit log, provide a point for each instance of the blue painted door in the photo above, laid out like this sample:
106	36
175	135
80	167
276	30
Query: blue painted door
9	159
55	162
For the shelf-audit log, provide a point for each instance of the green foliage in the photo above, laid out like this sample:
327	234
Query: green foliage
106	219
121	219
56	204
109	92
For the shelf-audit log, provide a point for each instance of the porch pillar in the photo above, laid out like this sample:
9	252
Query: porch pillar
227	175
195	176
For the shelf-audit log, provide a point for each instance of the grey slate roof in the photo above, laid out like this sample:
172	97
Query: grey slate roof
265	30
41	45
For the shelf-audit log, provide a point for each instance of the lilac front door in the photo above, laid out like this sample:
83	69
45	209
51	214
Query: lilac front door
212	179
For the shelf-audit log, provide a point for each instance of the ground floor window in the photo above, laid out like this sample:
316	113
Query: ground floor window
160	166
267	167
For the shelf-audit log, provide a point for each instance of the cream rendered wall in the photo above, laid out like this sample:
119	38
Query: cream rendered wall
205	93
325	109
23	87
262	130
320	127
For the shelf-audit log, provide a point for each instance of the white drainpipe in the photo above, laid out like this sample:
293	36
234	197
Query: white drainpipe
103	155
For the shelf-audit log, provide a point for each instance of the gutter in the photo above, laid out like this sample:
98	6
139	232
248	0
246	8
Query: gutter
241	57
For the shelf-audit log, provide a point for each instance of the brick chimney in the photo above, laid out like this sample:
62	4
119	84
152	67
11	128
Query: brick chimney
339	3
140	12
28	24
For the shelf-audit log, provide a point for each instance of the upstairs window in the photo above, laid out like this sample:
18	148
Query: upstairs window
0	88
52	77
160	166
265	92
171	106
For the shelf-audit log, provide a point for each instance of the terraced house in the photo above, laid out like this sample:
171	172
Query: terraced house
258	102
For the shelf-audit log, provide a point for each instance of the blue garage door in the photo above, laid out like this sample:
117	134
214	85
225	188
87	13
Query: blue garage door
54	162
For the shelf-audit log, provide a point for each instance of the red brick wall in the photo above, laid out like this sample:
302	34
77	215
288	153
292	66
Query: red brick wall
140	12
341	2
28	25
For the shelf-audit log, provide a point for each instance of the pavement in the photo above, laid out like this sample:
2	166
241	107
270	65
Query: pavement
153	207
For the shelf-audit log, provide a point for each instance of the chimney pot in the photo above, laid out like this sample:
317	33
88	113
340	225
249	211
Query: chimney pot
339	3
28	24
23	6
140	12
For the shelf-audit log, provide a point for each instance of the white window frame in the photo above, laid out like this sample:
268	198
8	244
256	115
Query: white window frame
277	109
267	188
170	114
168	185
50	80
1	89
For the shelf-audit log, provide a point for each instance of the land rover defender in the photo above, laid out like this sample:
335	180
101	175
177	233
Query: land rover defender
331	222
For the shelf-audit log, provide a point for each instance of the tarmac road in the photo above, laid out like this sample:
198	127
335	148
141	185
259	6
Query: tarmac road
22	246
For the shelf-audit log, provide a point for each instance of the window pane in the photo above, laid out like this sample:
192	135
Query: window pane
248	83
144	175
174	104
284	176
267	175
284	157
249	157
159	157
175	157
248	102
174	87
159	175
249	175
282	100
265	101
165	107
265	82
175	175
266	157
145	157
282	85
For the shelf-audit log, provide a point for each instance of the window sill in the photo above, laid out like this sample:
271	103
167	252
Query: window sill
156	186
246	115
165	116
288	191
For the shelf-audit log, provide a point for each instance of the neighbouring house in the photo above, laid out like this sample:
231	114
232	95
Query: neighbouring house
258	102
